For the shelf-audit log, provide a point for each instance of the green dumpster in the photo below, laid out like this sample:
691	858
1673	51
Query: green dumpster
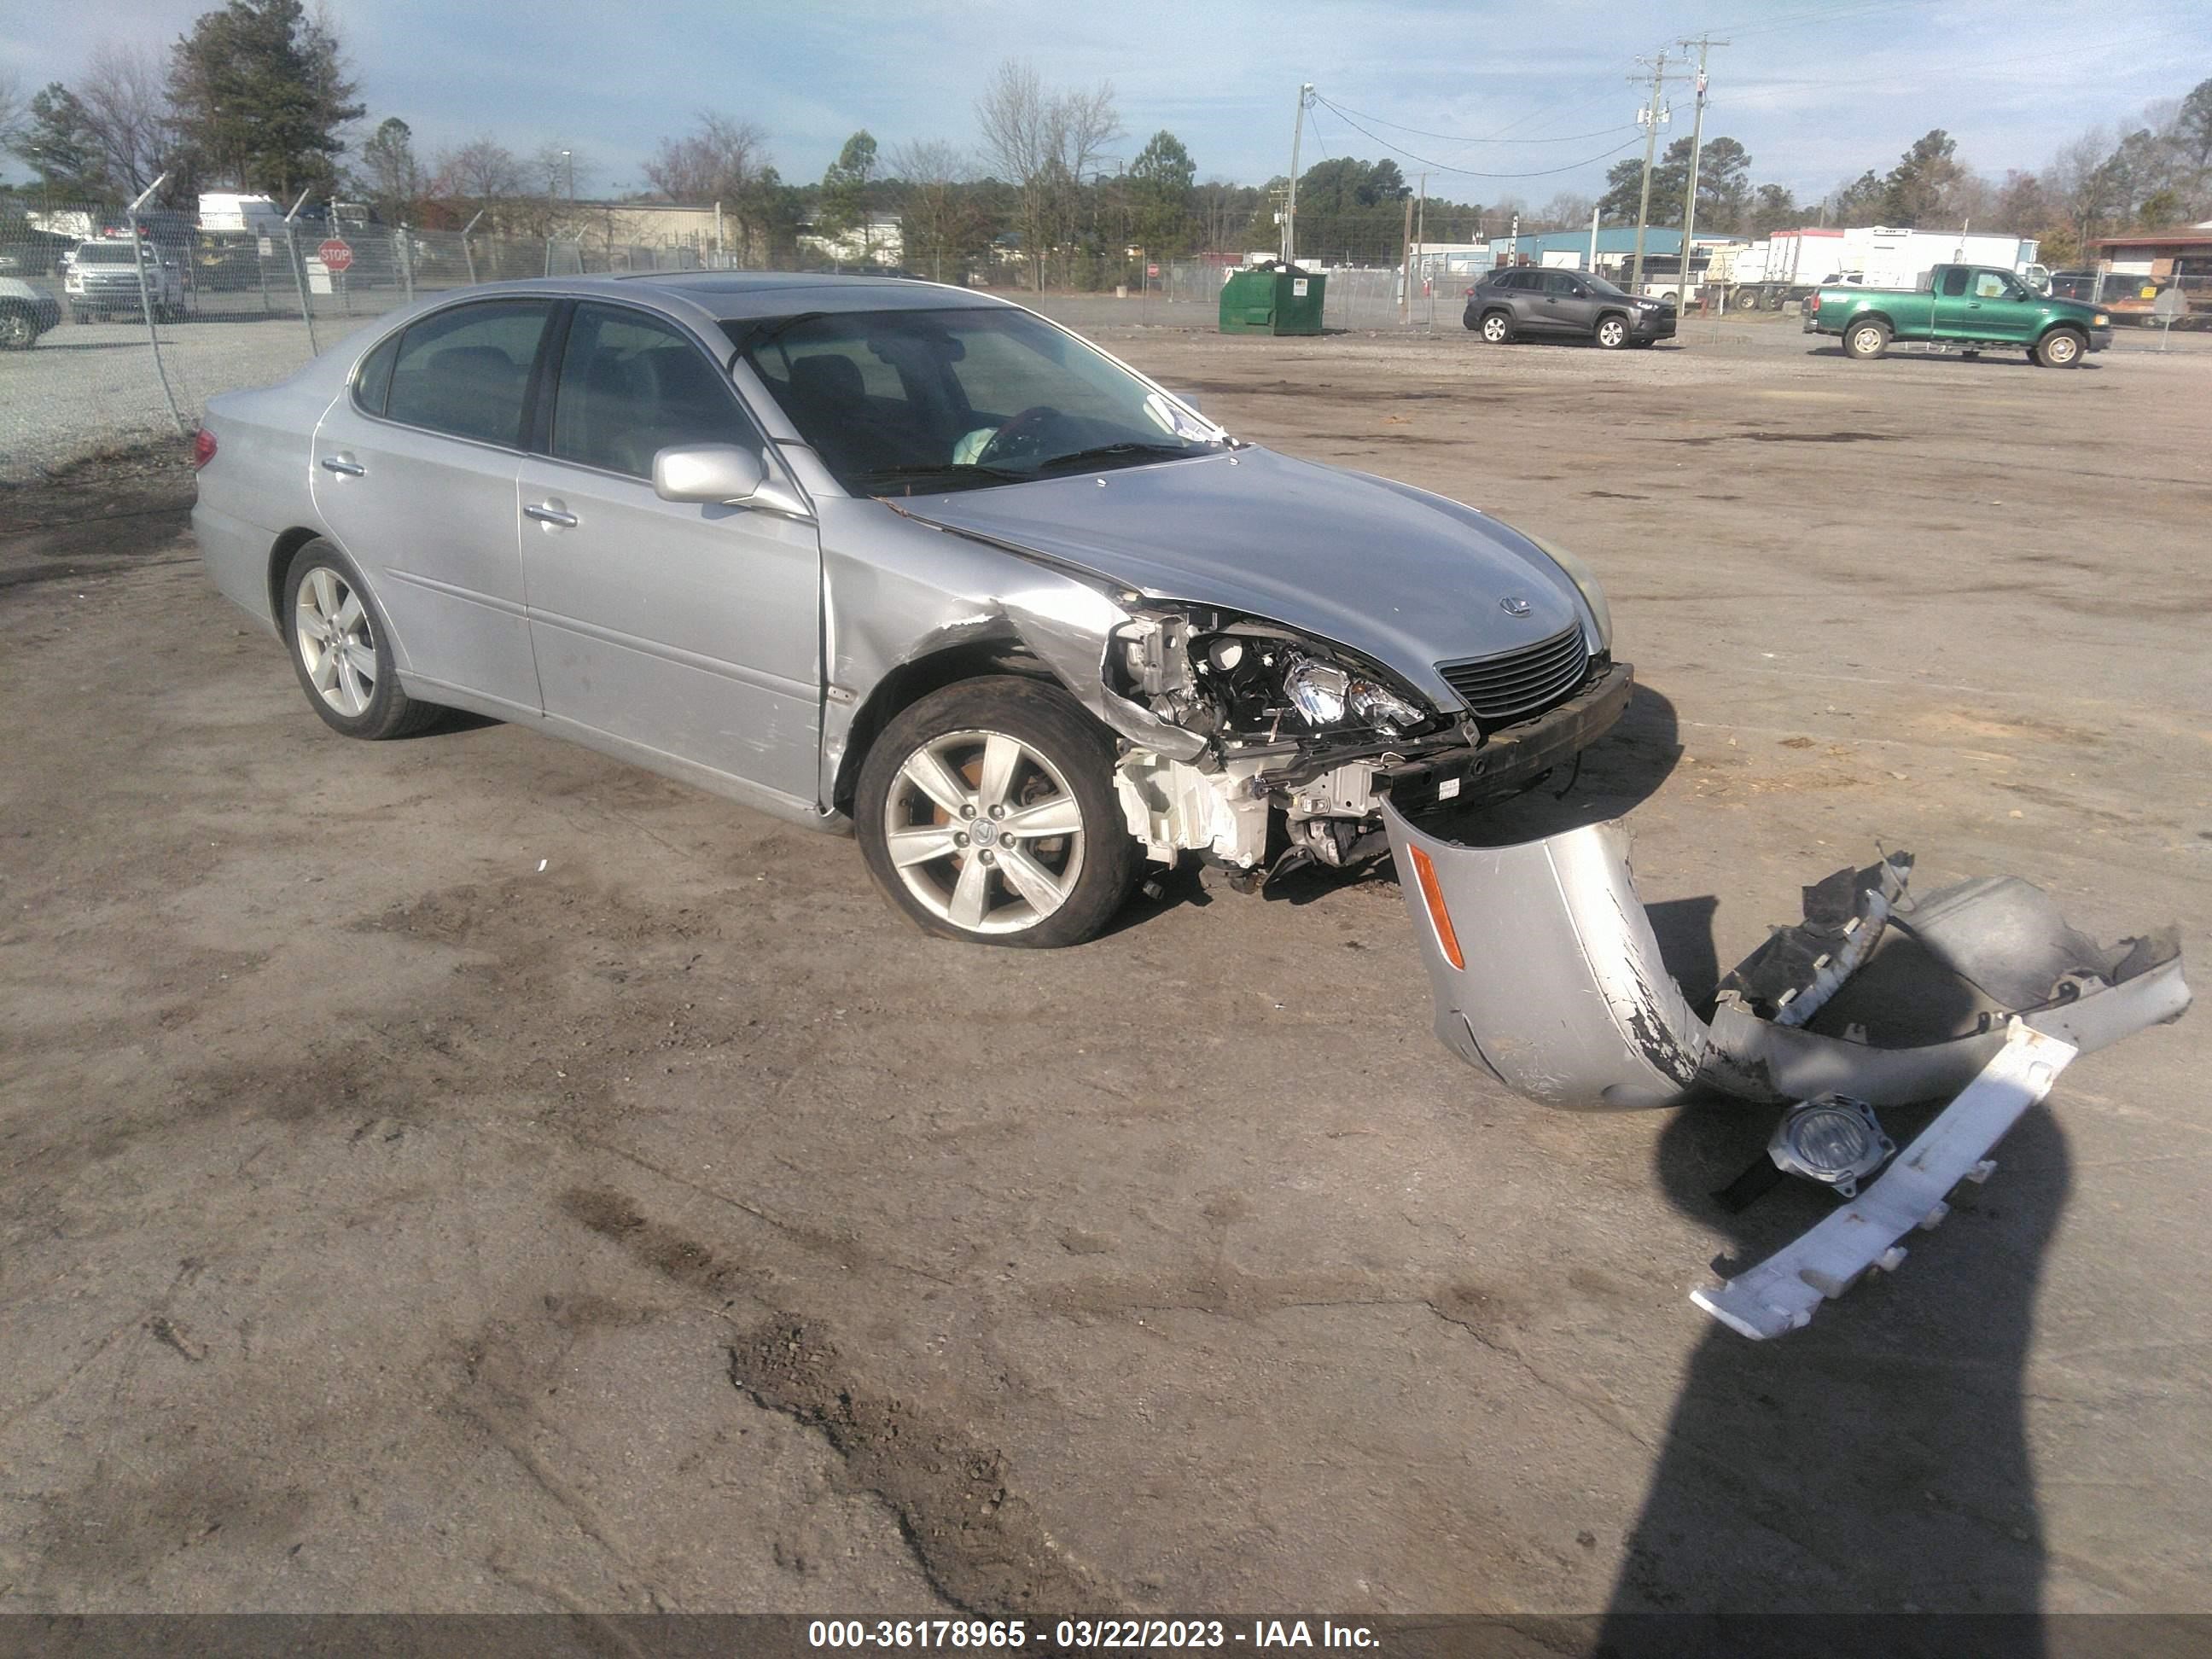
1272	298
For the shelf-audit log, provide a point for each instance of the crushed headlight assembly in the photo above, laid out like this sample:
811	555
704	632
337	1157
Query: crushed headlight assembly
1585	579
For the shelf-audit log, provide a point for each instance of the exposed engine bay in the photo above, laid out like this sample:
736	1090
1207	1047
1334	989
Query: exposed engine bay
1302	742
1548	976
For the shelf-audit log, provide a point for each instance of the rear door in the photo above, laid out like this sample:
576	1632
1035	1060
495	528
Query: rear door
1567	299
694	631
415	474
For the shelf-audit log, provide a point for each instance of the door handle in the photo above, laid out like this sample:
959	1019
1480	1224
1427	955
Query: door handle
344	463
550	512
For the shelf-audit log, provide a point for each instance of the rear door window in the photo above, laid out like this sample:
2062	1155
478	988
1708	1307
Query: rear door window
466	372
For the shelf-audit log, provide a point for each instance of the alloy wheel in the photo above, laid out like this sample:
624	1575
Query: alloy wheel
1493	330
984	831
331	627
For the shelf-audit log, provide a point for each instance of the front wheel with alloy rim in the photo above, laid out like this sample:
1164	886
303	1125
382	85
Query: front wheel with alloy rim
1613	333
1866	341
19	330
986	812
2060	348
1496	328
341	651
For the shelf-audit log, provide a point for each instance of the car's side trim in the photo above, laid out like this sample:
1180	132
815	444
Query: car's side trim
806	691
475	596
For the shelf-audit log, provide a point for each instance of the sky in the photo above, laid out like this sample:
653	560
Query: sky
1817	90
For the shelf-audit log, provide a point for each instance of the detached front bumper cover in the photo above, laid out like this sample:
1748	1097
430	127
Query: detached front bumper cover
1547	974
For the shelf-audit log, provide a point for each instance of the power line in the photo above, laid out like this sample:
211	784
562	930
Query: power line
1464	138
1471	173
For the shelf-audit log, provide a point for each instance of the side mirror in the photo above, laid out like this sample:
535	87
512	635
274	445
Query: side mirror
721	475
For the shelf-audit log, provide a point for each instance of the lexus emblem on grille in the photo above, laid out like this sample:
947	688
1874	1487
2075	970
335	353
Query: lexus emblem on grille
1514	607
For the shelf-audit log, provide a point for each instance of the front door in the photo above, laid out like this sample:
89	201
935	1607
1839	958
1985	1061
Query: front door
1568	307
690	631
1981	305
414	470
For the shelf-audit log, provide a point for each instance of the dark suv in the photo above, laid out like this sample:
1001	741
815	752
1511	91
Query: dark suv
1529	302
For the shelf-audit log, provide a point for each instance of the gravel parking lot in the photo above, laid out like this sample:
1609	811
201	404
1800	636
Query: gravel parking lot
467	1173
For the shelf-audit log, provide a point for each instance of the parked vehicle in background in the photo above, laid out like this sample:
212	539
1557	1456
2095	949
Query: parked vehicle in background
1971	309
103	282
1532	302
1791	263
2132	298
26	313
887	554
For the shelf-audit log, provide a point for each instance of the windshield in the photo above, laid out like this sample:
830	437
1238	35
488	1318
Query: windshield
900	401
104	253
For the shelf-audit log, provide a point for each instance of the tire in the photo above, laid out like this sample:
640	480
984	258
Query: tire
19	329
1866	341
325	600
1611	333
925	781
1496	327
1748	300
2062	348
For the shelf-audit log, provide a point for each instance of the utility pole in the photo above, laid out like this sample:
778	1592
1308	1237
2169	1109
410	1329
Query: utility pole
1406	284
1650	119
1703	43
1291	199
1421	229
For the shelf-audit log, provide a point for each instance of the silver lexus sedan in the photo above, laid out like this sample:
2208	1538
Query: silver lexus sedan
901	559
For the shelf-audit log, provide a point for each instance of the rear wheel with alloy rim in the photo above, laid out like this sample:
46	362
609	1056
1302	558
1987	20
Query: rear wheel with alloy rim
986	812
1496	328
340	651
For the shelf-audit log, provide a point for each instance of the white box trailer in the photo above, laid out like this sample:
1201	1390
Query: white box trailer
1791	263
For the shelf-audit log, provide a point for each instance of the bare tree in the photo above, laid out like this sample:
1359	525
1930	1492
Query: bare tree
2078	183
714	162
1043	144
565	171
124	93
482	175
1020	146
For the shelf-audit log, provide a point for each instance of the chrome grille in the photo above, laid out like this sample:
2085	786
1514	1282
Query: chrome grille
1520	681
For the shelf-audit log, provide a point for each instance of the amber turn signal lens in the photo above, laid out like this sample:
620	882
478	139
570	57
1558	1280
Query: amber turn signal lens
1432	894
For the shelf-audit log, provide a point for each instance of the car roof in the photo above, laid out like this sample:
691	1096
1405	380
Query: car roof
735	295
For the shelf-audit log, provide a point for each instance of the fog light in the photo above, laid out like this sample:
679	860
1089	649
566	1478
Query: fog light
1835	1140
1319	692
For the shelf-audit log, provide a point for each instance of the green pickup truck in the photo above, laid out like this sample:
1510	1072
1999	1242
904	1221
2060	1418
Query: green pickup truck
1968	308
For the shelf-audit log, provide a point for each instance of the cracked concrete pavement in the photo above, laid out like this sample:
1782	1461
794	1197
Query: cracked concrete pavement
386	1222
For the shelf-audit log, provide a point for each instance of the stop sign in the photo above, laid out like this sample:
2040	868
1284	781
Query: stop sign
335	254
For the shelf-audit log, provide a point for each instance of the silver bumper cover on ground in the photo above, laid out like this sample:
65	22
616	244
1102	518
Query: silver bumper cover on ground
1547	974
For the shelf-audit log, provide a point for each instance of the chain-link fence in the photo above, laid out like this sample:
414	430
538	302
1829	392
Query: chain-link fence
85	369
112	340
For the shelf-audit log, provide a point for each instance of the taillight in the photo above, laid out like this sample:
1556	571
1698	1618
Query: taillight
1816	302
1432	894
203	448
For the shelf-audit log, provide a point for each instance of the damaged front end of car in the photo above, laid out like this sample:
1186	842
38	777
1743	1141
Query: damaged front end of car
1979	993
1300	742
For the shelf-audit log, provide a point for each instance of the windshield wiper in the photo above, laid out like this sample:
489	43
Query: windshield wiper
938	470
1111	452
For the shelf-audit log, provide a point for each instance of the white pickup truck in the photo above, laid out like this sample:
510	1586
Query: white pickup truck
103	282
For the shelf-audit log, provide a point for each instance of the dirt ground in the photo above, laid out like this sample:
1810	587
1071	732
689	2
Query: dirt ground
467	1173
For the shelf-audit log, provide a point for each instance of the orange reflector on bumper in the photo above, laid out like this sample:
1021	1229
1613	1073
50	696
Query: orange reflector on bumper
1433	895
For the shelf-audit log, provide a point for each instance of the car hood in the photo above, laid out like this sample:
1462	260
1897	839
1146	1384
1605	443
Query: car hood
1403	577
